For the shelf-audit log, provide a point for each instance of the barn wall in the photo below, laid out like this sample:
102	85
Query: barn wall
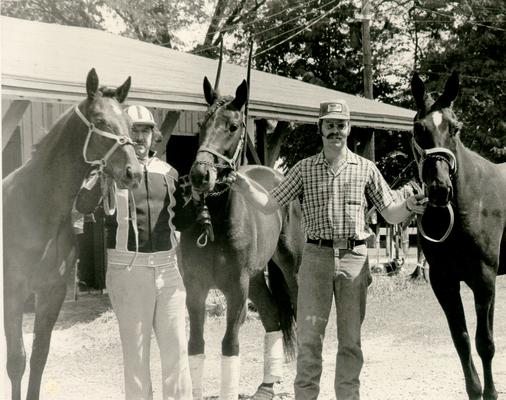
40	117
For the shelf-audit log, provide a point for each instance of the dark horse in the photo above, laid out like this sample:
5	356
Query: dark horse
459	181
245	243
38	240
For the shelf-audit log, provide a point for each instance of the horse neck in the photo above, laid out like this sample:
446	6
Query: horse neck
57	168
219	206
470	168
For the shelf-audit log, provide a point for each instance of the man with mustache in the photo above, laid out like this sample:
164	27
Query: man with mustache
335	186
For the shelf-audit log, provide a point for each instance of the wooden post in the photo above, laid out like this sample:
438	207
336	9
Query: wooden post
167	127
261	138
11	119
275	139
367	61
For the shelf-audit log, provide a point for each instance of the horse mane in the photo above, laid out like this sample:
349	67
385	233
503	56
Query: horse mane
49	140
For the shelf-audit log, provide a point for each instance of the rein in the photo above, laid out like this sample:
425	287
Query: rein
438	153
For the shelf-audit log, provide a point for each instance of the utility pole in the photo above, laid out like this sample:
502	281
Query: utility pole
367	61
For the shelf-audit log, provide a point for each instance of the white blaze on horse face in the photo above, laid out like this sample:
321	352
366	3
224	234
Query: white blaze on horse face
437	119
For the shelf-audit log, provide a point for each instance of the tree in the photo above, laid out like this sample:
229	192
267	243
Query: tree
154	21
469	36
85	13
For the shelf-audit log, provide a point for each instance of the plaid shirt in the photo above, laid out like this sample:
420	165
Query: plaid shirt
334	204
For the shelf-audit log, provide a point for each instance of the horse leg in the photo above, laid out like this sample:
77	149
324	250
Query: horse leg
48	302
196	295
273	341
236	295
484	305
448	296
14	299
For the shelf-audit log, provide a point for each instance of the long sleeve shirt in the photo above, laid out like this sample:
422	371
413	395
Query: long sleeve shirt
146	217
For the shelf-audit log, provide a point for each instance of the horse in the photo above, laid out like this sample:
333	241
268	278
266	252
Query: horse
463	228
247	246
39	246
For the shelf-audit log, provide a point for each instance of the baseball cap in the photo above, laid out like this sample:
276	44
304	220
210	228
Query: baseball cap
140	115
336	109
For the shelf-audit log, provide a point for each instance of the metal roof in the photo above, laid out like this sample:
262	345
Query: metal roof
49	62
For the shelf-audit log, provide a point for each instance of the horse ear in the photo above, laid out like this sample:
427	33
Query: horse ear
241	95
122	91
450	92
92	83
209	92
418	91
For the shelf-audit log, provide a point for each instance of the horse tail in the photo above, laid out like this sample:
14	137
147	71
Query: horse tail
286	310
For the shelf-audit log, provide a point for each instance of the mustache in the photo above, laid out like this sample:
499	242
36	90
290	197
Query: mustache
335	136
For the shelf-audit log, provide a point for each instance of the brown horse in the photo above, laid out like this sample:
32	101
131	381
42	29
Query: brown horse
245	243
37	200
464	226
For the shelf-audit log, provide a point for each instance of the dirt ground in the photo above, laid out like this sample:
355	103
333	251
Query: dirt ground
408	351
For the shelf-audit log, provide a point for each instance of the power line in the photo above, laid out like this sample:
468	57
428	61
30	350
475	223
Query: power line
463	76
314	21
286	22
468	21
286	10
271	28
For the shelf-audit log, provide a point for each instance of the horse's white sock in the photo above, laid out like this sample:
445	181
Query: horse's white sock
230	373
196	373
273	357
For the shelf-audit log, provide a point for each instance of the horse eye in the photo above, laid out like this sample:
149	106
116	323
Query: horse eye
233	127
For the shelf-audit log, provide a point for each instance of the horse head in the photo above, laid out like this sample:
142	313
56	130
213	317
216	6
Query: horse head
222	137
108	143
434	133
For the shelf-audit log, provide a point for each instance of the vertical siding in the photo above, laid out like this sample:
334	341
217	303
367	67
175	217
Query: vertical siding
40	117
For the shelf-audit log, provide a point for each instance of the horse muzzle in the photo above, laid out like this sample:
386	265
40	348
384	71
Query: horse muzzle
439	194
203	177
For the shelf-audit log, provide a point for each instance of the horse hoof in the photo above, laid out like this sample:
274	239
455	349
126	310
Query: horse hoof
264	393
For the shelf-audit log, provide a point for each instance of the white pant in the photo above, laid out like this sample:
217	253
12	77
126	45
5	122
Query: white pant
146	297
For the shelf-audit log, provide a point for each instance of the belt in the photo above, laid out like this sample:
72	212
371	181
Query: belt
337	243
142	259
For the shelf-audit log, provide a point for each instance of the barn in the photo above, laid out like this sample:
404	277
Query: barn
44	67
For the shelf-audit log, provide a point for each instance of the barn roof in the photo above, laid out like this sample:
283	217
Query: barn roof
49	62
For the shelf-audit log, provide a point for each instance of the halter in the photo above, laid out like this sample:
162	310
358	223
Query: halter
438	153
204	217
121	140
231	163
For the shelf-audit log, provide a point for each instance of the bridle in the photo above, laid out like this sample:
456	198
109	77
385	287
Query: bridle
441	154
230	163
120	140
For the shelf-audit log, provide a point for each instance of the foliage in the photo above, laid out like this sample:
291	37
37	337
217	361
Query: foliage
153	21
470	37
85	13
301	142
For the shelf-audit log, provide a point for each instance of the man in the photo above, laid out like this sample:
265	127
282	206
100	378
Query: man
335	186
143	279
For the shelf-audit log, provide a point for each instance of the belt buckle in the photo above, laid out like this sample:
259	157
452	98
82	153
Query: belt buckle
340	243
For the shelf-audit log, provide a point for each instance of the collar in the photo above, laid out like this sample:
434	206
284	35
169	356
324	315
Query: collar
350	158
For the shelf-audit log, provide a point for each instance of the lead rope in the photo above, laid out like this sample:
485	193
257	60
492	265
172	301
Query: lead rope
136	230
204	219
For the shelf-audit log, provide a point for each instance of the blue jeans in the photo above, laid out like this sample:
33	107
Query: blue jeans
326	273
